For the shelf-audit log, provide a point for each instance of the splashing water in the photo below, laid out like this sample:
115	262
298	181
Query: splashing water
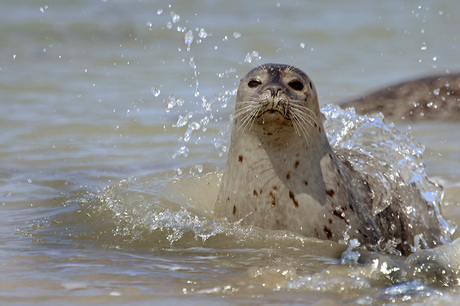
254	55
390	159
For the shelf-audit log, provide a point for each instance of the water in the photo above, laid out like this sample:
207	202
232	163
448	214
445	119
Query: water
115	122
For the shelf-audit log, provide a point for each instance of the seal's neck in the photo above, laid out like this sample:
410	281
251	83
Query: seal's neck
279	141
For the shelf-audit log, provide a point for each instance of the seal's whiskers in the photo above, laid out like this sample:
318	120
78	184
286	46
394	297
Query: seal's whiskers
248	114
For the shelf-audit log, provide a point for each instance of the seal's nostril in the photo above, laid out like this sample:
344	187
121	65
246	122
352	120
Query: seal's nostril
275	91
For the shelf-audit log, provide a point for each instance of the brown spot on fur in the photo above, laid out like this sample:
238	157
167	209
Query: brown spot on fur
330	192
328	232
228	199
269	133
305	183
275	187
316	233
338	214
240	158
297	163
316	125
255	193
234	209
260	191
319	129
292	196
288	175
330	221
273	198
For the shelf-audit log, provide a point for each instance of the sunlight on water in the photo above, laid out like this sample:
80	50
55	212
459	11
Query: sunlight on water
117	118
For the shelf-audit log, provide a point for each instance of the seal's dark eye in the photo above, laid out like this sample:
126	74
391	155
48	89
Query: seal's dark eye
254	83
296	85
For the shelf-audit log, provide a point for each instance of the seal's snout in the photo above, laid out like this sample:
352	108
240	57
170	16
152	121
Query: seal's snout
275	90
275	93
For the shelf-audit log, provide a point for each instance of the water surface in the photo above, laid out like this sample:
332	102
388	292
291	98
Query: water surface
115	124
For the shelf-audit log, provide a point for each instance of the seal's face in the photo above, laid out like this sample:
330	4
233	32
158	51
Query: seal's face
275	93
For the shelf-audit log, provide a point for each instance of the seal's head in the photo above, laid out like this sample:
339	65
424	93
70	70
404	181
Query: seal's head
280	94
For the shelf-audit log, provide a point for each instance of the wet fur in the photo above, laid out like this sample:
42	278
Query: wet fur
428	98
282	173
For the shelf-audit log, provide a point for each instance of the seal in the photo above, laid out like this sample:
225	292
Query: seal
282	173
427	98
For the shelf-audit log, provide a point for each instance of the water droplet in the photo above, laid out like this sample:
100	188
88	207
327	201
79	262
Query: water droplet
175	17
302	45
236	35
191	62
181	121
199	168
434	59
29	180
248	58
159	11
194	126
197	91
436	91
181	151
187	135
202	33
188	39
149	25
204	120
155	91
169	25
